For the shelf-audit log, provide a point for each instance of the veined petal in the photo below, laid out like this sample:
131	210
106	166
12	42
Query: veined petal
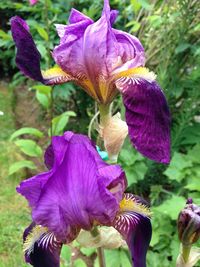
69	53
147	114
131	51
101	42
76	16
41	247
28	57
134	225
79	190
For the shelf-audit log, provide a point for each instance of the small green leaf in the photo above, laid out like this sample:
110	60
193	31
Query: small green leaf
5	36
20	165
26	130
145	4
43	99
42	33
178	164
193	184
44	89
59	122
29	147
171	207
181	48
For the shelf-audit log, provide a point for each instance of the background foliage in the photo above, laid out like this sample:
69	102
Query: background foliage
169	32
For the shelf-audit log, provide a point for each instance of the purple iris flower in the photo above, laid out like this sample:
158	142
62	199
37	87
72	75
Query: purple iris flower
104	62
80	191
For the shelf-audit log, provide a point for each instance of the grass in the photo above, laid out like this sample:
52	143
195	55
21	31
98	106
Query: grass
14	215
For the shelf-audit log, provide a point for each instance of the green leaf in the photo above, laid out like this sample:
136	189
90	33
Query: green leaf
178	163
116	258
29	147
43	99
59	122
44	89
79	263
5	36
191	135
181	48
136	172
193	184
20	165
65	256
112	258
26	130
42	32
171	207
129	156
145	4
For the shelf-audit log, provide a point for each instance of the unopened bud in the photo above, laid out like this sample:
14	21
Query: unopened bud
113	132
108	237
189	224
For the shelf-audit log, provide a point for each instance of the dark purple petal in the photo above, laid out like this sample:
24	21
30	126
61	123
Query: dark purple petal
42	249
136	229
79	189
28	57
147	116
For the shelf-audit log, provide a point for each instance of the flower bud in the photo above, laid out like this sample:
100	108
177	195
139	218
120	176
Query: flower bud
113	132
189	224
108	238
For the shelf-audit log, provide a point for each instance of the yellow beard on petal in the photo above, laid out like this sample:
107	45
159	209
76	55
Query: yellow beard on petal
131	204
140	72
56	75
33	237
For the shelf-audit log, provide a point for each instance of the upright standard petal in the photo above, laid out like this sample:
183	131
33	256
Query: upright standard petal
28	57
41	247
147	114
134	225
102	58
78	191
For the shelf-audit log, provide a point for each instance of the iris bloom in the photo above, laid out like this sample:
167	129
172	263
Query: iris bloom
80	191
104	62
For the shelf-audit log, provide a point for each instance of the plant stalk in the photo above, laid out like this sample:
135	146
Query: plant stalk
101	257
186	252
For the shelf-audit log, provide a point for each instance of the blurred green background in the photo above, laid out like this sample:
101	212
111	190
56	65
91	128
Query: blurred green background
169	32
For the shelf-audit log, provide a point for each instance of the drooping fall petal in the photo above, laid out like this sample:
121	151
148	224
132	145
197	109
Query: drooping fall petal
147	116
28	57
78	190
41	247
134	225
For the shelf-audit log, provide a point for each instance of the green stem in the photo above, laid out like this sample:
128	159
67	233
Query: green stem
47	26
101	257
186	252
105	113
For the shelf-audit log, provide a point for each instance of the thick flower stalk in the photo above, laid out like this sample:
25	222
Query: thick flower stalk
105	62
80	191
